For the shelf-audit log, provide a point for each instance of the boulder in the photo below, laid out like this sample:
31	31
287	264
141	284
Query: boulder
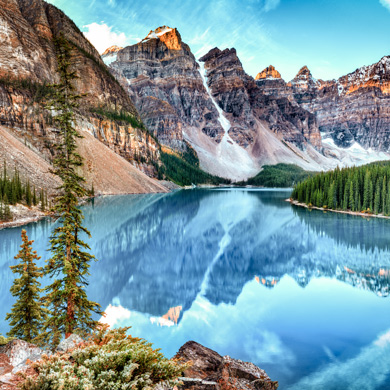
211	371
19	353
71	342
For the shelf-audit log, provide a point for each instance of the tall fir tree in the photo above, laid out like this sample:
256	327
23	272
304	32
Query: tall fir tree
71	310
27	314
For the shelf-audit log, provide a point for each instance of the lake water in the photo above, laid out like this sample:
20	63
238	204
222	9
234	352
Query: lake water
303	294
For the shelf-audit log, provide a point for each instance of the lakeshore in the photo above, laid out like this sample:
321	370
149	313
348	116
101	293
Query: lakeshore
365	215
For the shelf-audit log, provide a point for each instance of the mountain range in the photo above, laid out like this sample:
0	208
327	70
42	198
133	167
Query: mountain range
237	123
155	96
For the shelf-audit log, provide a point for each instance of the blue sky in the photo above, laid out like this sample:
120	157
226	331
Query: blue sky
331	37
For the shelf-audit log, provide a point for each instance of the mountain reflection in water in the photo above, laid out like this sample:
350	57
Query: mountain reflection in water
298	292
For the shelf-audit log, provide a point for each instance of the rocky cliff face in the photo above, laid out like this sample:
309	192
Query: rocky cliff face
164	82
232	121
28	64
354	108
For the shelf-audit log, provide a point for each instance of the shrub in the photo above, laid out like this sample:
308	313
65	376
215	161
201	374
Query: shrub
5	340
108	360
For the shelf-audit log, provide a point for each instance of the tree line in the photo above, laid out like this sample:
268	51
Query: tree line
13	191
358	189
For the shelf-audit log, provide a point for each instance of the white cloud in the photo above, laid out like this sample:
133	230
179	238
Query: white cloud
385	3
114	315
102	36
272	4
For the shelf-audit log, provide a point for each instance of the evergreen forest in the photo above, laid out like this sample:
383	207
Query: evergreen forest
357	189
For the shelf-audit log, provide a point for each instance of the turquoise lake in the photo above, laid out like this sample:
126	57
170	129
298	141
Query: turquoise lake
302	294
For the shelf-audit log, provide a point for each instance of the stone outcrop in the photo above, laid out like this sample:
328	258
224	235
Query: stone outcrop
67	344
268	73
211	371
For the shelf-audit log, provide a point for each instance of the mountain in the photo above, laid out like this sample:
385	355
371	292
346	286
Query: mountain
356	107
27	67
212	105
352	112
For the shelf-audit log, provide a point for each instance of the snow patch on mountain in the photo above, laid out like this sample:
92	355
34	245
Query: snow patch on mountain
354	155
158	32
230	156
109	58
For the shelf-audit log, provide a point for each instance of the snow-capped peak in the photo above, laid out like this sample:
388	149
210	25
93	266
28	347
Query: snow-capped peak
111	50
110	55
304	79
157	33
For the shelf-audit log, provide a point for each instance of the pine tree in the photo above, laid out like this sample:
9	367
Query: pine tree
377	198
7	214
42	200
69	263
27	315
34	198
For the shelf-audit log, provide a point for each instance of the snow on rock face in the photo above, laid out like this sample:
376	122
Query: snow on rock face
304	79
233	160
110	58
376	75
157	33
110	55
354	155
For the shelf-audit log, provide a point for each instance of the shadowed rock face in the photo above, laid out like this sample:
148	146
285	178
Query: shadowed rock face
248	101
27	53
354	108
163	80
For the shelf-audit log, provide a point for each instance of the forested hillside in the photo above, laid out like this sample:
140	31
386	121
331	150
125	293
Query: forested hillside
365	188
279	175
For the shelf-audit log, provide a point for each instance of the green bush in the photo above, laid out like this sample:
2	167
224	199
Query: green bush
5	340
109	360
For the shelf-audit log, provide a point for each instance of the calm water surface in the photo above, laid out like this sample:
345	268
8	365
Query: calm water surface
303	294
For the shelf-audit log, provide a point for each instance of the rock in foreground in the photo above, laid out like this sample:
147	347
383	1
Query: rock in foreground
208	370
211	371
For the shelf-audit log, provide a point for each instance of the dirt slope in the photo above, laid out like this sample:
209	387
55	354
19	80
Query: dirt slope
109	172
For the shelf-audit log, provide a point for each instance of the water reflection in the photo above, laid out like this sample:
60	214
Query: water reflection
242	272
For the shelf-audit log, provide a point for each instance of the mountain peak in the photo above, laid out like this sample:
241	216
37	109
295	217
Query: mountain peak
268	73
304	71
111	50
169	36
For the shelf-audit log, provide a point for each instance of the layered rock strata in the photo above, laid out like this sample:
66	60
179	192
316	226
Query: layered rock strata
28	64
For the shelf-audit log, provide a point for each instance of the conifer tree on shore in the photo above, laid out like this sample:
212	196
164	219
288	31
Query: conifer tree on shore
27	315
70	309
357	189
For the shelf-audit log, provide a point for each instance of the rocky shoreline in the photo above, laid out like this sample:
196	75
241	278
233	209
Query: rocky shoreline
208	369
22	215
357	213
